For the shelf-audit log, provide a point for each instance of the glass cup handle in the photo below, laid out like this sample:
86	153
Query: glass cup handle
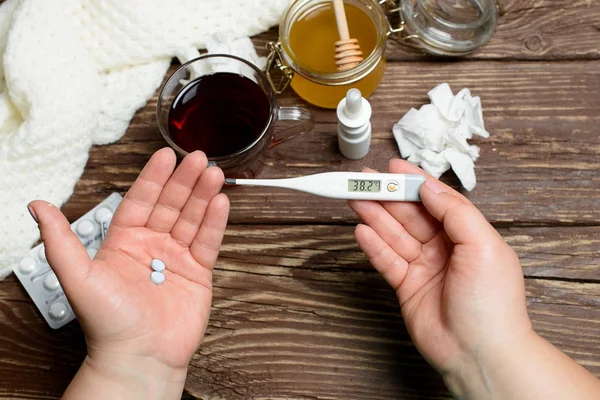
305	124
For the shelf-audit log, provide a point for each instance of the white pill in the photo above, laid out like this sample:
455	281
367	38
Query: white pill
27	265
92	252
51	282
158	265
58	310
42	253
103	214
157	277
85	228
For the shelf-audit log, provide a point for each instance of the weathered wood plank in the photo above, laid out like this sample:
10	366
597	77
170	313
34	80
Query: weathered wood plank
558	252
538	167
299	313
278	335
290	338
35	361
530	30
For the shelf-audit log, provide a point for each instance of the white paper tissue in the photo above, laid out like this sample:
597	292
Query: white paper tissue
435	136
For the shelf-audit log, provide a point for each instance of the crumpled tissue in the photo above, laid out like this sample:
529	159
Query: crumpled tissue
435	136
223	43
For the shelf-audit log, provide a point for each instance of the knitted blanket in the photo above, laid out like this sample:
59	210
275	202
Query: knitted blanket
73	73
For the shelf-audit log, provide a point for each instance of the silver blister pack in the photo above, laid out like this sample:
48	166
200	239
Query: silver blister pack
37	276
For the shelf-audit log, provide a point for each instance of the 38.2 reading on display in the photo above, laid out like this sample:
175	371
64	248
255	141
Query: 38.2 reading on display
363	185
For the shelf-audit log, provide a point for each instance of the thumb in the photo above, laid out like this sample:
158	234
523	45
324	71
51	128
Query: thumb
65	252
462	221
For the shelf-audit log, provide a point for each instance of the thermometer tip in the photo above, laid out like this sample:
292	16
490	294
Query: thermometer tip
229	181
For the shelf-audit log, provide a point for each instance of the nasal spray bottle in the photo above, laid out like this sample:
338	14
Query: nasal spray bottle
354	128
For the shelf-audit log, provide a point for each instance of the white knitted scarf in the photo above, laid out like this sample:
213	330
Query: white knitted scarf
73	73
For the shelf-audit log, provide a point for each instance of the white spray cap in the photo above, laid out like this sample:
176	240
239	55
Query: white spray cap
353	102
354	110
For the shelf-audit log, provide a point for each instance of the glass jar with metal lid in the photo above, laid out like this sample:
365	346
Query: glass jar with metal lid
304	55
305	51
448	27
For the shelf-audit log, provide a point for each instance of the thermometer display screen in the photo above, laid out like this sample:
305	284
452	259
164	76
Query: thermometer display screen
364	186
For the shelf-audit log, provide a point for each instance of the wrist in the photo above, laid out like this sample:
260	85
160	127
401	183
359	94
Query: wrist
482	372
126	376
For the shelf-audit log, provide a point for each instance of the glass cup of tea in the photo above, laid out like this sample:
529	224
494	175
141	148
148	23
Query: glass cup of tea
225	106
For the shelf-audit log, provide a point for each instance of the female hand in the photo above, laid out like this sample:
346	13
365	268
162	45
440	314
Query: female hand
459	284
133	326
462	294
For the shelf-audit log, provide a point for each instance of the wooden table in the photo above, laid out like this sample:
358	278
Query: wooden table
298	311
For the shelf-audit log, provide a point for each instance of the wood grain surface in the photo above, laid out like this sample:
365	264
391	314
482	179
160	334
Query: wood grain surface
298	312
530	30
538	166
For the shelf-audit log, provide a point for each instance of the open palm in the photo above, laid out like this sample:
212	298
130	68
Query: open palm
178	217
460	286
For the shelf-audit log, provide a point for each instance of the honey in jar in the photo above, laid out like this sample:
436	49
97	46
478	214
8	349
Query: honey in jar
308	33
313	36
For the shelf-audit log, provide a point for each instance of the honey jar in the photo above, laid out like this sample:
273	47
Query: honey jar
305	52
304	56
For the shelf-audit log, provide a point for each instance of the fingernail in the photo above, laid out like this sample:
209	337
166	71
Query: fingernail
33	214
434	185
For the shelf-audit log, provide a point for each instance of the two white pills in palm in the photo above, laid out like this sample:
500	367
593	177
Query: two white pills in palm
157	275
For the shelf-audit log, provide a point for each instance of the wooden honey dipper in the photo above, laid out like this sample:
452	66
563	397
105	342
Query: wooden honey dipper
348	54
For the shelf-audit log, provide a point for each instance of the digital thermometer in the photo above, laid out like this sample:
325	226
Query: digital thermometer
348	185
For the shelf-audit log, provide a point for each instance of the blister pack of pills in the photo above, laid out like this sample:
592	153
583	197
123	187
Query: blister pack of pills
39	280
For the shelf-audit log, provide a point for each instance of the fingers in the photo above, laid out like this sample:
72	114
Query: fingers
463	222
206	244
387	221
387	228
414	219
401	166
65	252
461	219
386	261
192	215
412	215
138	203
177	192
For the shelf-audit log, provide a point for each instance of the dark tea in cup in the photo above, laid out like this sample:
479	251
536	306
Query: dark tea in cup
225	106
220	114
